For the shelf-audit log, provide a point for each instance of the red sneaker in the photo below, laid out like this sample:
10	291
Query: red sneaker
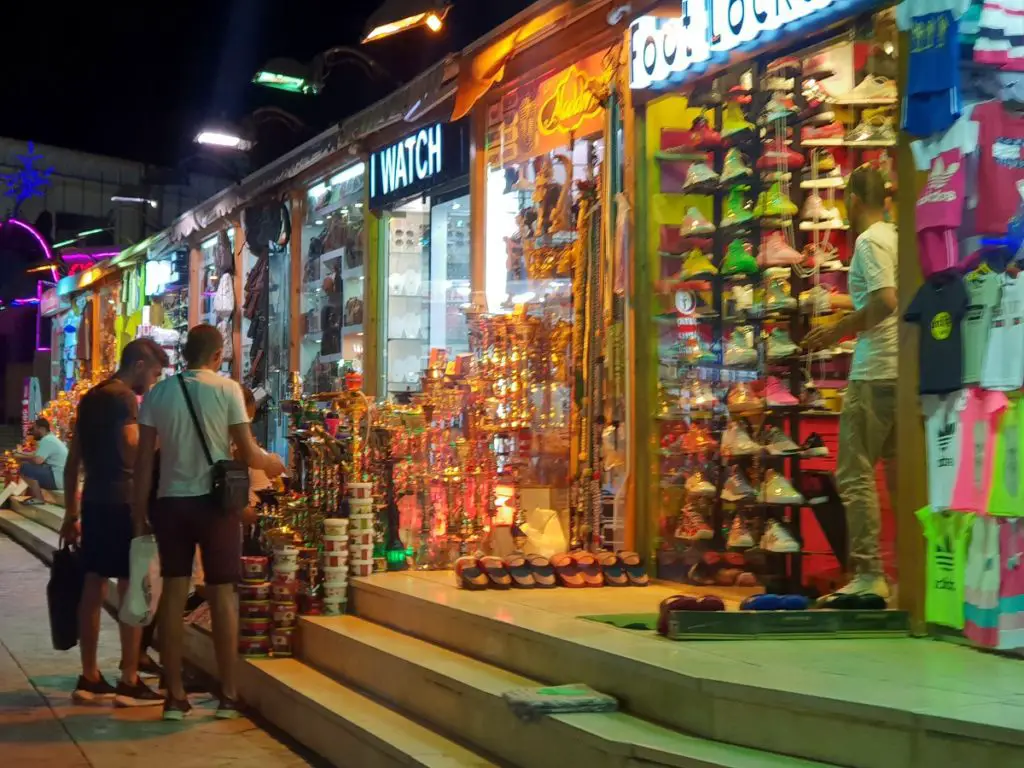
833	130
775	158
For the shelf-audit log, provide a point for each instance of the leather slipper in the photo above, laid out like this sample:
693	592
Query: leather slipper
468	574
614	571
497	574
634	569
592	574
543	573
568	571
519	570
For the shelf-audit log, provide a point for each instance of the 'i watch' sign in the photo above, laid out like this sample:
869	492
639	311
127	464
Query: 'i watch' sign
408	167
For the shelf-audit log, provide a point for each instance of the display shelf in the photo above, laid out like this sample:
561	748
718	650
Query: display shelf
844	143
836	182
333	255
812	226
336	357
881	102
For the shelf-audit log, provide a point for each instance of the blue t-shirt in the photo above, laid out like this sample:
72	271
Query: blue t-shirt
934	53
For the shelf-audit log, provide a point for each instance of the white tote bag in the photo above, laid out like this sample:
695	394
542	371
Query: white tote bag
144	583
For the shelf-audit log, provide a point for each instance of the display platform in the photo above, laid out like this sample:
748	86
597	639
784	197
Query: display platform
787	625
881	703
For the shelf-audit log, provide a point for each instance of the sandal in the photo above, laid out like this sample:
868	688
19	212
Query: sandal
568	571
634	569
468	574
497	575
543	573
593	576
519	570
614	571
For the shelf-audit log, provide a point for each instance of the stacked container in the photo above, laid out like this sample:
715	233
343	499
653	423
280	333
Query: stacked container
254	608
360	533
283	587
335	559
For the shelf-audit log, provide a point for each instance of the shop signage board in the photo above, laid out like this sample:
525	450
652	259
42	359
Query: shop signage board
50	303
432	155
665	49
541	116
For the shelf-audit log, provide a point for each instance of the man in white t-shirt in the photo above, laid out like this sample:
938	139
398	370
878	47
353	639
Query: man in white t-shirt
185	515
43	469
867	425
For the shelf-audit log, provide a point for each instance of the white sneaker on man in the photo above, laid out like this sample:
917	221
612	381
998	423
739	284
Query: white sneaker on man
865	584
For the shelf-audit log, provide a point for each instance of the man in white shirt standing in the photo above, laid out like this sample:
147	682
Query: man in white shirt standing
44	468
867	425
185	514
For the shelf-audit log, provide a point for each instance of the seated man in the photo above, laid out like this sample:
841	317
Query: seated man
44	469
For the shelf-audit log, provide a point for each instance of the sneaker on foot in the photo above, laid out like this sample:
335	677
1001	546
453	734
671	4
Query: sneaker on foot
176	709
866	584
92	691
228	709
137	695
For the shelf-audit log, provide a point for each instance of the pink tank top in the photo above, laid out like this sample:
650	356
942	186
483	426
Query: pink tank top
978	419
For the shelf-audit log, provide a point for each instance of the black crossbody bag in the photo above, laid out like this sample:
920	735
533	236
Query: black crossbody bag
230	489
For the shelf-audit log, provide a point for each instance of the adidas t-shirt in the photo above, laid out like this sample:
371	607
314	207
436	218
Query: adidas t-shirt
979	416
938	307
947	534
1004	352
1006	492
943	443
982	299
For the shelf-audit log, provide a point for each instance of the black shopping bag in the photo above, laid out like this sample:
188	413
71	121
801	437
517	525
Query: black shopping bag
63	592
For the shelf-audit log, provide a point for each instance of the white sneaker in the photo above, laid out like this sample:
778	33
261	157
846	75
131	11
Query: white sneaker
873	89
777	539
866	584
736	442
739	536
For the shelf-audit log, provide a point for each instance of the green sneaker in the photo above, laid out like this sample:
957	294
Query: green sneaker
739	259
735	210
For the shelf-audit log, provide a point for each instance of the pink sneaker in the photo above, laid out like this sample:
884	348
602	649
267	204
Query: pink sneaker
777	395
776	252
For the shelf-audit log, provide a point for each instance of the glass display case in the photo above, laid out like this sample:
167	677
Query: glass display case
333	279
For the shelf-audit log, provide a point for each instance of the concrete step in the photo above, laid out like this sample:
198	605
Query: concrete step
48	515
343	726
460	695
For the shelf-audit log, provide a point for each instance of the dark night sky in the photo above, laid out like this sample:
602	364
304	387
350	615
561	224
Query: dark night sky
136	80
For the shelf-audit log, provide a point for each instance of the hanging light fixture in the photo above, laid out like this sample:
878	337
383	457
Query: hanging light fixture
396	16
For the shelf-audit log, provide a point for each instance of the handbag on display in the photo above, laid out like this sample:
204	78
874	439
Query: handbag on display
224	298
230	486
224	326
223	255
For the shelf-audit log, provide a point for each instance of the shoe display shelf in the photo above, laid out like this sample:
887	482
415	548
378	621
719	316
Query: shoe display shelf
729	358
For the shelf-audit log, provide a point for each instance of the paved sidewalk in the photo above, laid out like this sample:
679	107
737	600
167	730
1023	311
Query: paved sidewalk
41	728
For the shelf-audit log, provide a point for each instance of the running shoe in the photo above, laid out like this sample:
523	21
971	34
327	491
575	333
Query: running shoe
739	259
865	584
776	252
822	160
812	399
816	300
697	265
743	298
702	397
777	158
739	348
92	692
815	210
819	67
785	66
706	96
692	525
737	442
734	167
776	298
776	489
228	709
773	204
137	695
735	125
777	395
698	440
777	539
736	487
779	107
873	89
814	447
743	400
872	131
697	484
778	443
780	346
739	536
176	710
699	176
833	130
736	211
694	223
693	350
815	93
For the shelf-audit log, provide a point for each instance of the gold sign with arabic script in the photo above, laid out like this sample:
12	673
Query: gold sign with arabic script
571	104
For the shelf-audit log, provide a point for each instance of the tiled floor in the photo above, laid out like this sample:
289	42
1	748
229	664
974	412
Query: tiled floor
40	728
911	678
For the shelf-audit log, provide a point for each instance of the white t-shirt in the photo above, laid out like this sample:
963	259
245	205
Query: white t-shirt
962	135
184	470
55	455
1003	368
874	266
943	441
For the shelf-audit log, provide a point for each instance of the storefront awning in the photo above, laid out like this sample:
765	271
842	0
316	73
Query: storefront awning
406	104
82	280
137	251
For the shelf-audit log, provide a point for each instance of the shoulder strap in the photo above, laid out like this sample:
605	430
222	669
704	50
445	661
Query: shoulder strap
195	419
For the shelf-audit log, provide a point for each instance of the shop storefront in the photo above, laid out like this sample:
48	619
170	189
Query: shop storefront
419	192
744	141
